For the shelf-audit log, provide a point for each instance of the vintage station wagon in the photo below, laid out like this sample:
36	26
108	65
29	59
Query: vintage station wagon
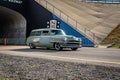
52	38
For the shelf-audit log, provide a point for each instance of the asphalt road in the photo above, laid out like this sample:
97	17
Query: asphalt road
97	56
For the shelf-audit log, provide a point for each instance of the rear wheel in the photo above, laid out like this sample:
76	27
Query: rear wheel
74	49
57	46
31	46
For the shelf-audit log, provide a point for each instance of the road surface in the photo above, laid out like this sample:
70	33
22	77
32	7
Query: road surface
99	56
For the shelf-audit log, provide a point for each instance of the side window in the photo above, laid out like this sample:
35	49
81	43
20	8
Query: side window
53	32
56	32
37	33
32	34
45	33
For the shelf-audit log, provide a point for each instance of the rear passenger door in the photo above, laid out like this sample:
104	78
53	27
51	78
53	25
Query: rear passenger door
45	38
37	37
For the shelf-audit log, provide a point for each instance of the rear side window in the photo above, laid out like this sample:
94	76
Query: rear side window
37	33
45	33
32	34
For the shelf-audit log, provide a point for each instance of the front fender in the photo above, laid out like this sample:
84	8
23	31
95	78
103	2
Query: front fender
56	40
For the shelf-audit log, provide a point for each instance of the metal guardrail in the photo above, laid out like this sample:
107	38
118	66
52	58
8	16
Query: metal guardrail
76	25
102	1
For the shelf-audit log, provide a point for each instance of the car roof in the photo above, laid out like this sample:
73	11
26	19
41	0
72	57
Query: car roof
45	29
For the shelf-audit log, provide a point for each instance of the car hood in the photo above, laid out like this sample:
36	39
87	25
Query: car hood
69	37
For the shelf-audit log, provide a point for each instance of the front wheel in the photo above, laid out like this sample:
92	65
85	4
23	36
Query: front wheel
74	49
57	47
31	46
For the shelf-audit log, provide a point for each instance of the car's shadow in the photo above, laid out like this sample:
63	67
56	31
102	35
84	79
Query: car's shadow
40	50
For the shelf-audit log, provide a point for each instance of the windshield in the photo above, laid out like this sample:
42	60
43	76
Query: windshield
57	32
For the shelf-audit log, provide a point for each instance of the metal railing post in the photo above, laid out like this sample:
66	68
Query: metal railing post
46	4
53	10
67	19
85	31
94	37
76	24
60	13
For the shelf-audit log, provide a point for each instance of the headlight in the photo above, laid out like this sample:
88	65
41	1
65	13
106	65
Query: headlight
65	39
80	39
75	38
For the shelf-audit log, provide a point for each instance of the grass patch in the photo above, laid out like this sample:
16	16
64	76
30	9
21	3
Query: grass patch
113	38
3	78
115	46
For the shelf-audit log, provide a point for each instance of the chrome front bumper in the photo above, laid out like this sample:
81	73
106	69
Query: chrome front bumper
70	45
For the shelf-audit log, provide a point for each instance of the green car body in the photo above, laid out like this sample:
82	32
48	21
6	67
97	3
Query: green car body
52	38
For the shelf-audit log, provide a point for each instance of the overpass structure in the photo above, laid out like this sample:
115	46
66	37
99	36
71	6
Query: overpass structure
91	21
94	20
18	18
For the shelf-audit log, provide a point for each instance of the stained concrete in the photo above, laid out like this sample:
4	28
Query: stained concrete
12	27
